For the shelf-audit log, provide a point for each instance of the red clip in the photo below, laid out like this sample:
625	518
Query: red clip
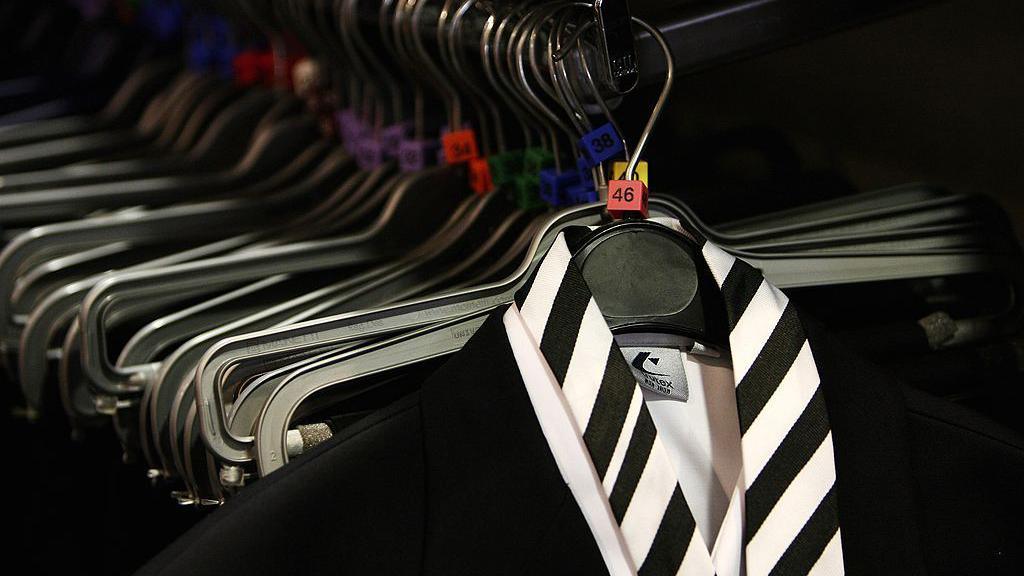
459	146
246	65
627	198
480	176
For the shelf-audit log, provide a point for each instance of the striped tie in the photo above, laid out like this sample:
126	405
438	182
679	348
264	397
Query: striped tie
783	471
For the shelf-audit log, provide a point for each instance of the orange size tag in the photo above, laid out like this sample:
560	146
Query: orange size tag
480	179
627	198
459	146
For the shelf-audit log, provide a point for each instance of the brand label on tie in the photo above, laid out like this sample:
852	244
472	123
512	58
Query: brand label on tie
659	370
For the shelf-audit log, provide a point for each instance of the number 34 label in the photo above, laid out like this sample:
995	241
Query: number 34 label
459	146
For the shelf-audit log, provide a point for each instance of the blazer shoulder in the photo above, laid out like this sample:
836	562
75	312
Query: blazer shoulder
324	512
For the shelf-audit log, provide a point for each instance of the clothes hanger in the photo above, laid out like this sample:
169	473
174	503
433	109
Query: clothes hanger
51	318
233	216
246	395
465	234
214	392
277	412
57	152
271	150
231	355
142	228
166	391
428	197
123	110
215	147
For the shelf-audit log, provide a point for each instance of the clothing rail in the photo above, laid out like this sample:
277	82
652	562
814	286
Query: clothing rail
703	34
706	34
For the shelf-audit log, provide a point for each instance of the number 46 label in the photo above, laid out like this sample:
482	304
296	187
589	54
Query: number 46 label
627	198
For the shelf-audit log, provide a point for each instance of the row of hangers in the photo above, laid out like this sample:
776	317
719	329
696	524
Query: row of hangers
199	266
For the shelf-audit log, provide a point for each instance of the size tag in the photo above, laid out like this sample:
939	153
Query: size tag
413	154
627	198
480	176
554	186
659	370
370	153
619	172
505	166
351	128
459	146
601	144
526	188
582	193
536	159
391	138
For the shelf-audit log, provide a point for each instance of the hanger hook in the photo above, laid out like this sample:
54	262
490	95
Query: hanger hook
666	88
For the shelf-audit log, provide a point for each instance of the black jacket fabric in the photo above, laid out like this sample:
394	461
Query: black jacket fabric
457	478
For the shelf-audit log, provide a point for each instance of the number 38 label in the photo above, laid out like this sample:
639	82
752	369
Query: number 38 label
627	198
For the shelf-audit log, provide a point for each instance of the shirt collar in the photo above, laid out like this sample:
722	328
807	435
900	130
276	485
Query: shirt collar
788	474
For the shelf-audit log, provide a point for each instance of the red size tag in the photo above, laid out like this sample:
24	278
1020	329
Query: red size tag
459	146
247	68
627	198
480	176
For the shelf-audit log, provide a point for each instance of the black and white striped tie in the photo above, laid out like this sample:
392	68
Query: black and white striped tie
791	525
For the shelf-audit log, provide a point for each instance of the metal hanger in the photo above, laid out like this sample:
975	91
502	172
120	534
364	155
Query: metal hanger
424	199
270	151
275	345
219	218
175	373
123	110
466	233
57	152
288	395
218	149
384	291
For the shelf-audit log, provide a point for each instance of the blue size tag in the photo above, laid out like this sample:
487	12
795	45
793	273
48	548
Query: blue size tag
600	145
554	186
582	193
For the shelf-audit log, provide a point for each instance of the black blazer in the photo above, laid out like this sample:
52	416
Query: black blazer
457	478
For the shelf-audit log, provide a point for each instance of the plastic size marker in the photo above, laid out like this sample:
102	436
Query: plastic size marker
554	186
619	172
413	154
480	176
369	153
351	128
582	193
627	199
526	189
459	146
536	159
601	144
505	166
391	138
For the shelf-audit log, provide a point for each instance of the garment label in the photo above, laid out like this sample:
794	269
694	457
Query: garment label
659	370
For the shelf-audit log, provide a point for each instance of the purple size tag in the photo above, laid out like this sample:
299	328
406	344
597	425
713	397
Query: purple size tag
391	138
351	128
413	154
370	153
